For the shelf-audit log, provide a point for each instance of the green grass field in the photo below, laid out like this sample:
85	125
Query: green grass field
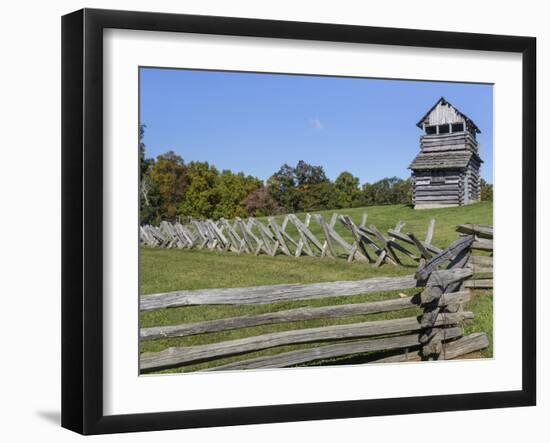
163	270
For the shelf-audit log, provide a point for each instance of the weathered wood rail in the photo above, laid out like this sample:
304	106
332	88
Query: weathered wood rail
323	352
177	356
444	282
479	264
279	293
294	237
291	315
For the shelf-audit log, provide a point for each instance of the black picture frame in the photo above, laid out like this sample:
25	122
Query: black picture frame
82	218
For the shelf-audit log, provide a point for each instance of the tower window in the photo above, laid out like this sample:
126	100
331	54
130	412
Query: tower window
444	129
431	130
457	127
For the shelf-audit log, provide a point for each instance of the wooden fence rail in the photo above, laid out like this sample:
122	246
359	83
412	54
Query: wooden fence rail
292	315
285	292
444	280
178	356
479	264
293	237
292	358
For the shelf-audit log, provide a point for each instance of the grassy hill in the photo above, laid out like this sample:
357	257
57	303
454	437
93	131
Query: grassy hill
164	270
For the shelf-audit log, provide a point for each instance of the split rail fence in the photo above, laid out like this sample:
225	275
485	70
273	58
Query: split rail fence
368	244
444	282
253	236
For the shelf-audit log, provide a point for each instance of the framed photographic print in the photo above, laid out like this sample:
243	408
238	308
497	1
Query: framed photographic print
269	221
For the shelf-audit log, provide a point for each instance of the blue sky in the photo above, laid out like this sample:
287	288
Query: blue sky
256	122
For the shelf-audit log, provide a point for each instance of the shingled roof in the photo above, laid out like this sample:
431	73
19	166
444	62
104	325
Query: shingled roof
443	160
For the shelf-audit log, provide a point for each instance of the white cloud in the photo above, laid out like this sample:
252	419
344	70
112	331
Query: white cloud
316	123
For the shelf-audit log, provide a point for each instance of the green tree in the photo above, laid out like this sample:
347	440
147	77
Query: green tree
318	196
299	187
200	197
486	190
307	174
380	192
282	188
347	186
314	189
387	191
231	190
367	195
169	175
401	191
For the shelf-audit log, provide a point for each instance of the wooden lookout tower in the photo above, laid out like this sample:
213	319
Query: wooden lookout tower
446	171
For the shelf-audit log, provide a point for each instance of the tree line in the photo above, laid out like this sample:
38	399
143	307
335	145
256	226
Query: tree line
171	188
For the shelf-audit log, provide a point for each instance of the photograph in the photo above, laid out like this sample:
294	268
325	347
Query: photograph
299	220
244	222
